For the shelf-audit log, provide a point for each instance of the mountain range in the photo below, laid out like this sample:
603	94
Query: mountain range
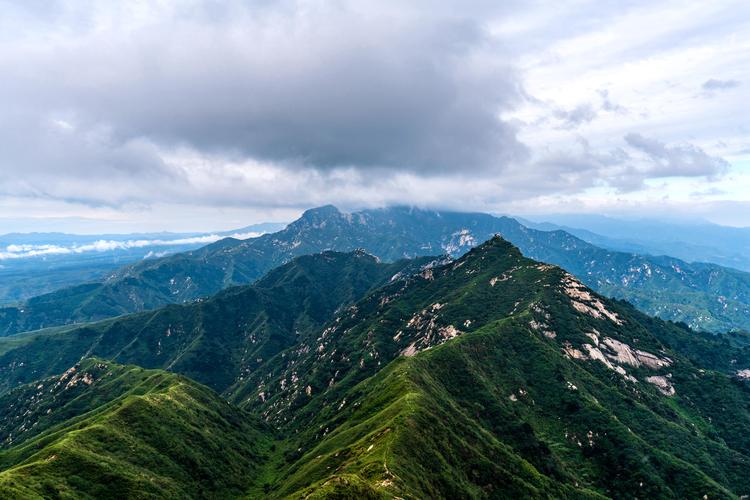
704	296
692	241
335	375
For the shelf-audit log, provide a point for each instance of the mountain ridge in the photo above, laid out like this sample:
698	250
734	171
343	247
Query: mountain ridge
692	241
32	264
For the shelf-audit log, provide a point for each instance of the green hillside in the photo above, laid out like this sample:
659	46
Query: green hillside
105	430
216	341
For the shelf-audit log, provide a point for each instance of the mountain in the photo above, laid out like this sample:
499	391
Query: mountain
32	264
491	376
705	296
215	341
498	376
105	430
689	241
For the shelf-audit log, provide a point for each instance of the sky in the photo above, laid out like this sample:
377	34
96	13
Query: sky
204	115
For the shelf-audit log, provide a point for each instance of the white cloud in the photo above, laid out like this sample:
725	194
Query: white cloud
25	251
714	84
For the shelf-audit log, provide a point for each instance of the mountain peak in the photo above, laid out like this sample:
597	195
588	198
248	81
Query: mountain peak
496	244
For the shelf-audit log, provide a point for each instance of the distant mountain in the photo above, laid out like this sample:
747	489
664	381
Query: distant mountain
692	242
491	376
32	264
105	430
705	296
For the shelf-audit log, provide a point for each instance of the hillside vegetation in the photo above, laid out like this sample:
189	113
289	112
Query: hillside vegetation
499	376
216	341
102	430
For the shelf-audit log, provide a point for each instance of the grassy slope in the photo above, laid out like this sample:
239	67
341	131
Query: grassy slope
442	425
129	433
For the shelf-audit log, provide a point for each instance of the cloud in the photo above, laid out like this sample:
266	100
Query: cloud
608	105
202	106
714	84
707	193
583	113
625	168
25	251
563	118
316	85
683	160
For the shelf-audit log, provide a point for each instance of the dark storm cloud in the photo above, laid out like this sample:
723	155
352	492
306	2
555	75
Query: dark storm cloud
324	88
295	103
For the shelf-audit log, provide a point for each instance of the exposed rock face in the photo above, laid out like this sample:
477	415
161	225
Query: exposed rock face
409	351
613	353
595	353
662	383
459	241
586	303
448	332
542	324
572	352
652	361
503	277
743	374
622	352
424	326
594	336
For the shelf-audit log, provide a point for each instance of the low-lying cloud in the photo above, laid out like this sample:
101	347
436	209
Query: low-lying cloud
26	251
